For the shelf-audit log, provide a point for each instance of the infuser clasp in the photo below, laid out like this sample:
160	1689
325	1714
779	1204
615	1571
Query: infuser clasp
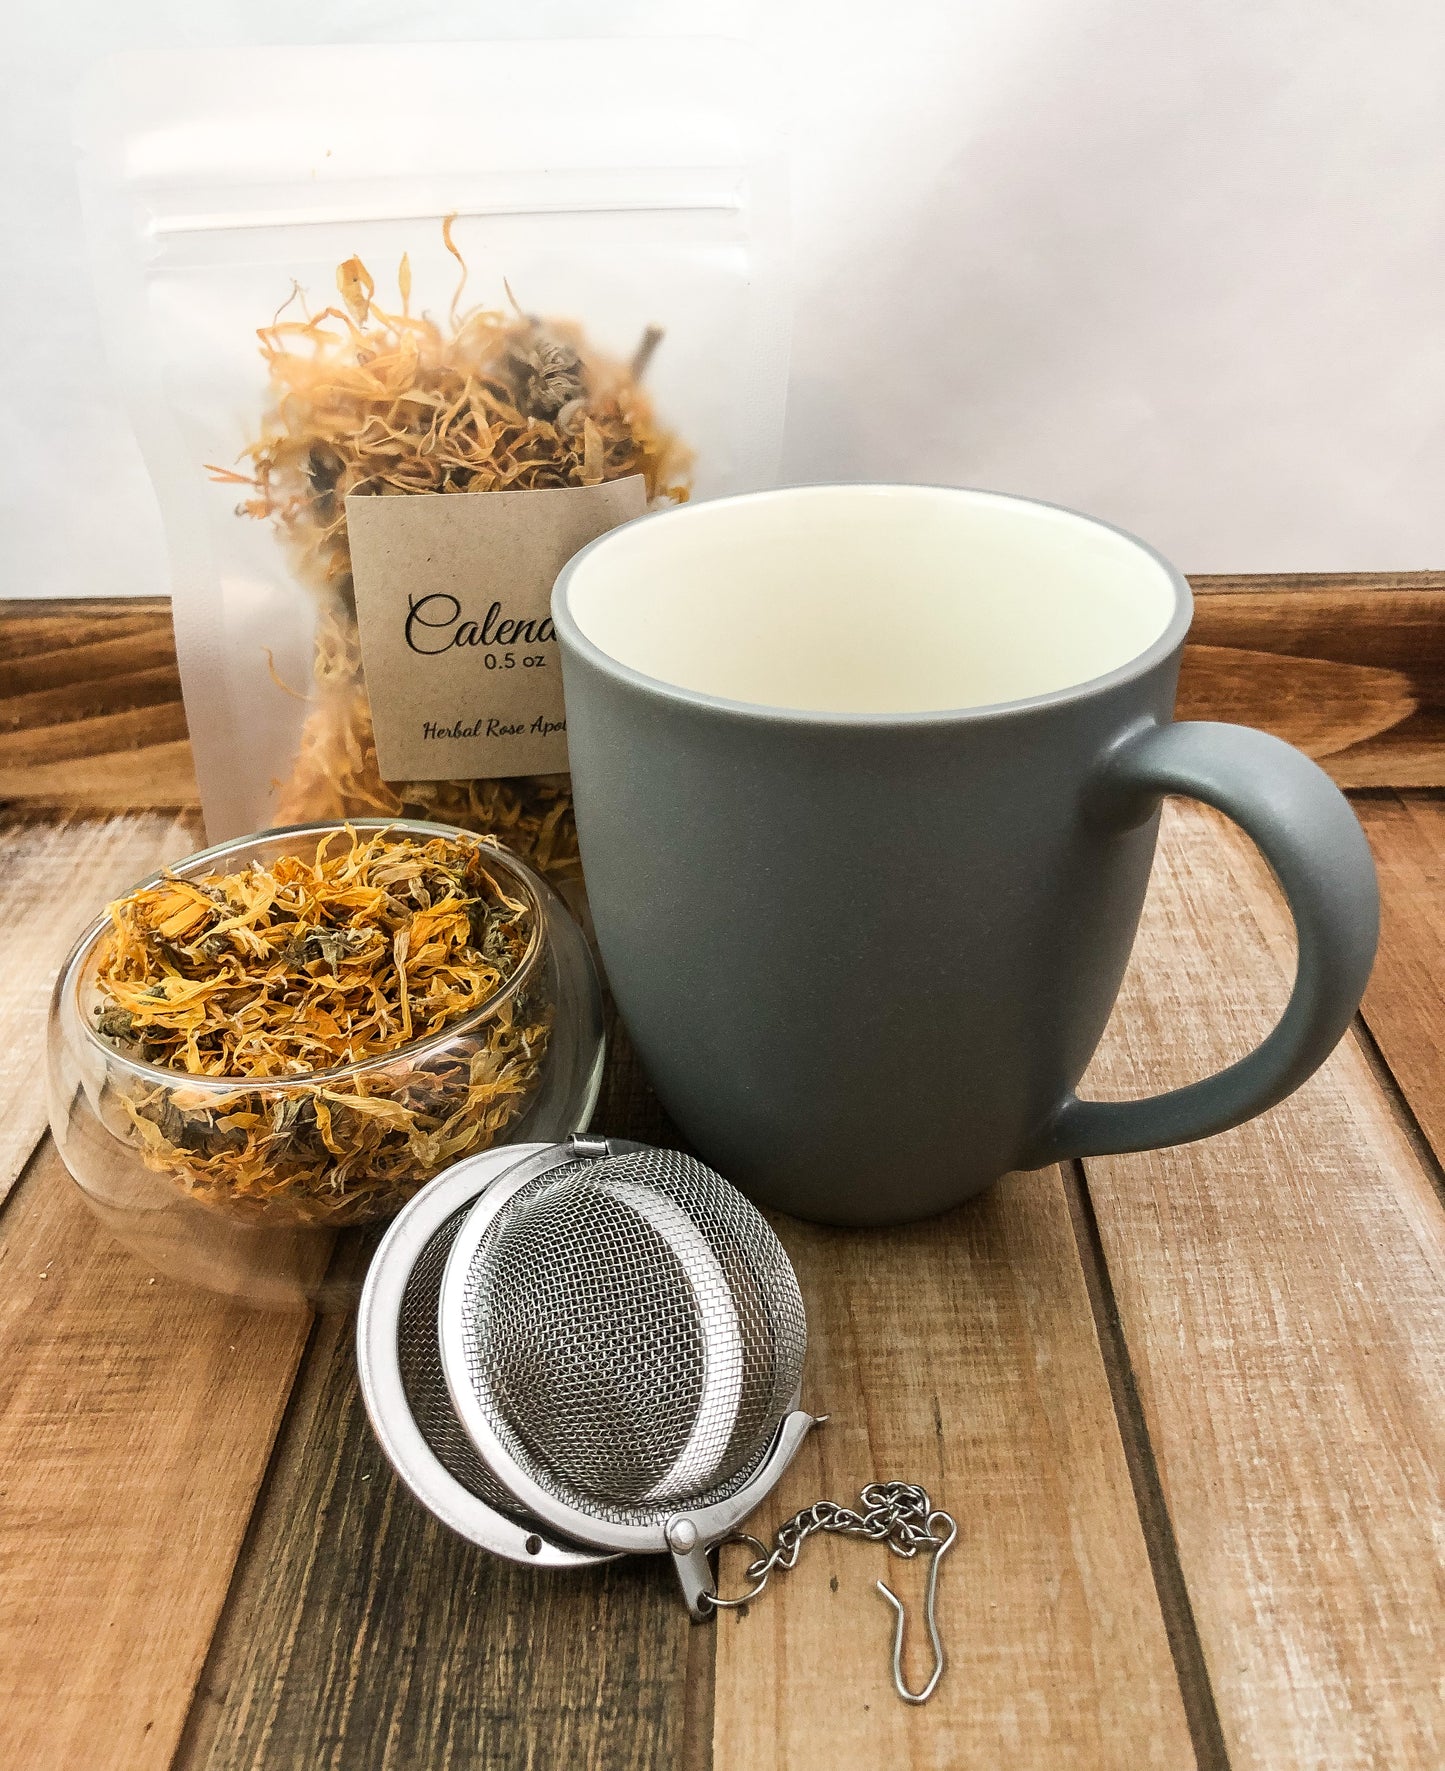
941	1546
691	1535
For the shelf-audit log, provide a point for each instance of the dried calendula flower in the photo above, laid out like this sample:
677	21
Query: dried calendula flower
366	400
315	980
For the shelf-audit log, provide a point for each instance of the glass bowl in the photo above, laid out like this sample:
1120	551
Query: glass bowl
265	1189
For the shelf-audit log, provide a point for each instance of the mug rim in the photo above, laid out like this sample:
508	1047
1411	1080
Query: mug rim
1158	650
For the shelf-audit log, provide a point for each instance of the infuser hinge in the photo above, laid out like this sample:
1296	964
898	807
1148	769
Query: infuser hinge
694	1571
584	1145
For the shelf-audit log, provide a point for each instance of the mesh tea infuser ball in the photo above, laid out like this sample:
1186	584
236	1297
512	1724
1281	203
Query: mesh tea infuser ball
621	1338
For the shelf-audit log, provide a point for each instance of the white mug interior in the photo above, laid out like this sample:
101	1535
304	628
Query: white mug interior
872	599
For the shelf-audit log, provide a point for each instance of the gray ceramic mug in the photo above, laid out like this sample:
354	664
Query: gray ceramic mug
867	784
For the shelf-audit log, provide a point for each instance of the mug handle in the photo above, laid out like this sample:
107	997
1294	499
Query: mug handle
1304	827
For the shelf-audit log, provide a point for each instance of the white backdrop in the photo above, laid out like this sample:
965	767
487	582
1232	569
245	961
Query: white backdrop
1181	265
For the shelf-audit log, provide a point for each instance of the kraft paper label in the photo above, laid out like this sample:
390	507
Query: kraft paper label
453	599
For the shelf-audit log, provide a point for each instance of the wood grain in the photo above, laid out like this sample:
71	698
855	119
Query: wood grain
90	705
55	875
1405	1003
1317	704
960	1354
1282	1292
363	1636
136	1418
1351	668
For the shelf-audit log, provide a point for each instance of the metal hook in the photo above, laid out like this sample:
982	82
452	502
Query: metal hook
930	1616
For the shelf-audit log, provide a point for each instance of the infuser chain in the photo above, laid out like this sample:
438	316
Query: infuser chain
899	1514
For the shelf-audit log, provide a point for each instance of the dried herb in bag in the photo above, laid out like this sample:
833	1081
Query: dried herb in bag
383	402
649	195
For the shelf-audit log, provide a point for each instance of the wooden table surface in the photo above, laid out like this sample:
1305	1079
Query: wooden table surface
1187	1405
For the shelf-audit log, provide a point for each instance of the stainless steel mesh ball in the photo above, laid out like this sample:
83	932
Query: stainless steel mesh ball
632	1333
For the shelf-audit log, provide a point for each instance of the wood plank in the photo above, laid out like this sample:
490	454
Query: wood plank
54	877
1325	583
1320	706
1350	667
960	1354
363	1636
1282	1291
160	775
136	1418
1405	1004
90	705
115	1389
70	724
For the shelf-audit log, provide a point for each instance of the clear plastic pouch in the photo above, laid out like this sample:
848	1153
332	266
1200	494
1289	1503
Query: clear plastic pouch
604	191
